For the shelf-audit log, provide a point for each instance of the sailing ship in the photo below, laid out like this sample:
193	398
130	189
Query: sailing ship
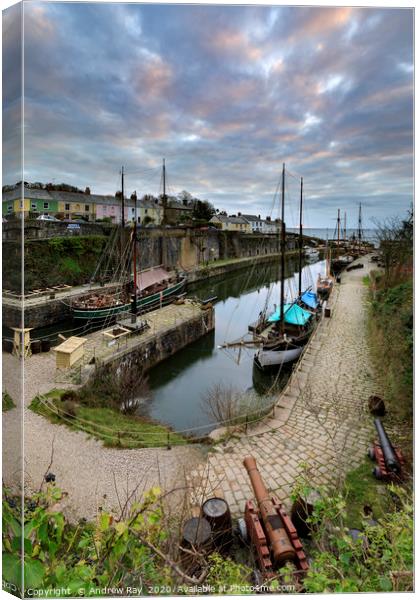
136	292
288	329
156	288
342	261
325	282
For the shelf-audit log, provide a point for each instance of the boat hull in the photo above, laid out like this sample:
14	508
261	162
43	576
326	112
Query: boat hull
272	358
143	305
282	352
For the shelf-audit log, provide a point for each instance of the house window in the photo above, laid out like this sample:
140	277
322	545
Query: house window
67	207
33	205
67	216
145	211
86	207
10	208
46	205
21	204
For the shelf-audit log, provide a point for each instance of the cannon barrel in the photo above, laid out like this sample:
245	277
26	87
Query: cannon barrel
390	458
279	541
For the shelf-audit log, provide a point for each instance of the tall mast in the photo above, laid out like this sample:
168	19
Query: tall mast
164	199
327	258
122	221
338	232
282	248
134	304
300	237
122	198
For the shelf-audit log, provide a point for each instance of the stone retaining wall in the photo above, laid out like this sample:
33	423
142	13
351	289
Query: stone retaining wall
149	353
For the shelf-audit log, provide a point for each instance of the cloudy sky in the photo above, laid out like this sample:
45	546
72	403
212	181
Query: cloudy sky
226	95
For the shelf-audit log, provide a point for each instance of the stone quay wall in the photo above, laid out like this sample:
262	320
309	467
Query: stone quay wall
148	353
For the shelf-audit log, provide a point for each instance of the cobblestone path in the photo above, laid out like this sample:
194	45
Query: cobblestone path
320	420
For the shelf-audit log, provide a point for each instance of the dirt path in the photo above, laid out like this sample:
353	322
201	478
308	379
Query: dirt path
320	424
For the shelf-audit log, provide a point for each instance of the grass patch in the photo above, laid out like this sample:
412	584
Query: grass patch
112	427
7	403
362	489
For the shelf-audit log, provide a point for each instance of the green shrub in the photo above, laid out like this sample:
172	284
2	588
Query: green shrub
374	561
85	557
7	402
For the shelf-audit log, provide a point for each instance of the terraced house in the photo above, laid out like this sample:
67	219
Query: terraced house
74	206
232	223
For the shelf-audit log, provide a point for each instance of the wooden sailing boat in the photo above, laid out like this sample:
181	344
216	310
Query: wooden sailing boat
325	284
140	292
290	327
339	262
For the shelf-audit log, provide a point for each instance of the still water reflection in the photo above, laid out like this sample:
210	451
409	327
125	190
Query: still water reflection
180	384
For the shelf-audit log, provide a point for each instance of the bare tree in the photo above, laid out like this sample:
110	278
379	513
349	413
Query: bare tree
132	386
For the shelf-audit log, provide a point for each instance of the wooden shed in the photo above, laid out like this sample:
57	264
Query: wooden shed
69	352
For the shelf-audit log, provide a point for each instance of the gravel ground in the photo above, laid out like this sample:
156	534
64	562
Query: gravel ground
84	468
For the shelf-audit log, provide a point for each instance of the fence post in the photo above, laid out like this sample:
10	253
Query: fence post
168	445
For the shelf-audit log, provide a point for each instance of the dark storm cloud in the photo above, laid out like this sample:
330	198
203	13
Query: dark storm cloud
226	94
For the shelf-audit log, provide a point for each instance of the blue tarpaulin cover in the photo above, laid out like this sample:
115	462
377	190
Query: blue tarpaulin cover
293	314
310	299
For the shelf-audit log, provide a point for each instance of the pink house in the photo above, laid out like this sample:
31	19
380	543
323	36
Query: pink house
111	208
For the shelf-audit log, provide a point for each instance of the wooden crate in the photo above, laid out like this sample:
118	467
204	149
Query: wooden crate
69	352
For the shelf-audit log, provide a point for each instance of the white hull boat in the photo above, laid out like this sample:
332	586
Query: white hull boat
272	358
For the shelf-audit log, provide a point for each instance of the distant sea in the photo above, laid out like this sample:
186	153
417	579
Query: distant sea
369	235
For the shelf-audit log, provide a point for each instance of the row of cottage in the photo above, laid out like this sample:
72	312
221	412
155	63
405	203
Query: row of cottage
90	207
100	208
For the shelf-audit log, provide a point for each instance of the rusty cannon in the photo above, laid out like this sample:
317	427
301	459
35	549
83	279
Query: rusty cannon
388	458
269	528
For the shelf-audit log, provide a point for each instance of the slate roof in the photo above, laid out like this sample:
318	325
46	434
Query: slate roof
37	194
252	218
234	220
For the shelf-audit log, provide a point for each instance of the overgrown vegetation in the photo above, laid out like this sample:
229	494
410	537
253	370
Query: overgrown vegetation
391	322
133	553
53	261
105	410
377	557
138	549
7	402
81	558
113	428
366	497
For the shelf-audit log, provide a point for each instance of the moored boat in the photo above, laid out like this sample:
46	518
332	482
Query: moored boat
289	327
136	291
97	307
